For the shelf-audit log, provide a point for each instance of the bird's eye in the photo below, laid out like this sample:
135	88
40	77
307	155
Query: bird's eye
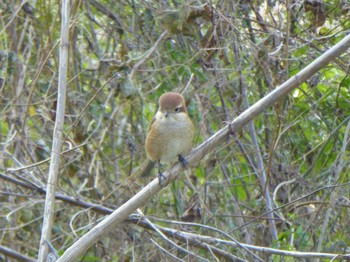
177	110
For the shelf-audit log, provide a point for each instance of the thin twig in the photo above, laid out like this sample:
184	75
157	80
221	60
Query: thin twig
147	54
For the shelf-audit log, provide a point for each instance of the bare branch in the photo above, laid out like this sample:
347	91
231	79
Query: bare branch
141	198
14	254
57	135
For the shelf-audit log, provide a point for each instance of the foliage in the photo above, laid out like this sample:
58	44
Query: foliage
216	54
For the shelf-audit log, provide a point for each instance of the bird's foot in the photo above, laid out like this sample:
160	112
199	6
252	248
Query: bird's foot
161	179
161	176
183	161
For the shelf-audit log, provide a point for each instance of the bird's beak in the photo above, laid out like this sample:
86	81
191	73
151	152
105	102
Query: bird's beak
166	114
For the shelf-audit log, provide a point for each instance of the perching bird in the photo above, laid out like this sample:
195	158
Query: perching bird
171	132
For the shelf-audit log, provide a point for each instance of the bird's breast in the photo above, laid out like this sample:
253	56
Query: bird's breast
175	134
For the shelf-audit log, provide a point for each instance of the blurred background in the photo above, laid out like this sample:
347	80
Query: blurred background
223	56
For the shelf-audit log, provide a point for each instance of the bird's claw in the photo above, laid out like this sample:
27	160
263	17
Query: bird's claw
183	161
161	178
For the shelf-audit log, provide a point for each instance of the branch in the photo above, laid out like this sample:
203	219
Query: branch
104	10
190	237
141	198
196	240
59	196
57	135
14	254
147	54
203	240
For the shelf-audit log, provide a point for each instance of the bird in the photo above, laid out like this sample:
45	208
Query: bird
171	132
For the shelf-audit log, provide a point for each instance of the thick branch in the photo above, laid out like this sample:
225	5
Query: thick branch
141	198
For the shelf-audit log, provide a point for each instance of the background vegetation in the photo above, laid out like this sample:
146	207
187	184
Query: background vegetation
224	56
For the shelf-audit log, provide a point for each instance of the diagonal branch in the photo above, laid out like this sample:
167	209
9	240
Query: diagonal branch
142	197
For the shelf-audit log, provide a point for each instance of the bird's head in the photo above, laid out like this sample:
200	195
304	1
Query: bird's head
172	104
